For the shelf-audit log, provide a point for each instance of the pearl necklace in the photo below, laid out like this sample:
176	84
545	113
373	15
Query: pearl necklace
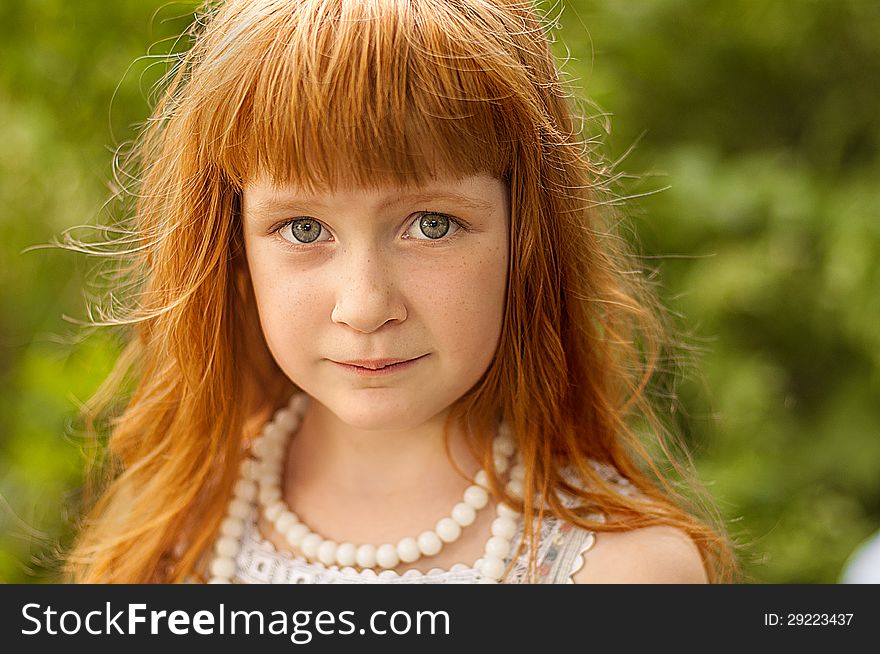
260	482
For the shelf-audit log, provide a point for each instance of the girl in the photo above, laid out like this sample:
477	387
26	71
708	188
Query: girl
382	330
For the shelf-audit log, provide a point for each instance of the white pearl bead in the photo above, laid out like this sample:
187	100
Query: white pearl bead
232	527
296	533
285	521
481	479
287	422
298	403
386	556
497	546
310	545
408	550
506	511
448	530
269	476
476	496
271	432
222	566
503	527
272	439
429	543
275	453
327	552
258	447
464	514
345	554
276	435
501	464
245	489
274	510
270	469
492	567
269	495
366	556
518	472
218	580
239	509
504	446
515	487
227	547
248	468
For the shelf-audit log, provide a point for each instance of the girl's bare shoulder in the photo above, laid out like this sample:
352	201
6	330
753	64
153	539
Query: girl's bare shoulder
648	555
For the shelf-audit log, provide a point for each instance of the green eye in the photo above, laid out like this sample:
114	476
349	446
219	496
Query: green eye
305	230
434	225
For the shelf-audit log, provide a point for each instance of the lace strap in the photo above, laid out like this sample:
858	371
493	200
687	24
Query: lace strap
563	546
566	554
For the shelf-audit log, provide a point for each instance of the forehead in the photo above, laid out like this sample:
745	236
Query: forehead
475	192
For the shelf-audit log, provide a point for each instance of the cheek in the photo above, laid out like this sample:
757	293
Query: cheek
463	307
288	302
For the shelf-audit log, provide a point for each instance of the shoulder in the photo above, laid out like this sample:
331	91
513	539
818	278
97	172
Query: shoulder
649	555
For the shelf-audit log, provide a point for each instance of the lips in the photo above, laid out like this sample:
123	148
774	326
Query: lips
375	364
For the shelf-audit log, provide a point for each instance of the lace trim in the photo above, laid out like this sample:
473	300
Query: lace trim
560	554
577	562
624	487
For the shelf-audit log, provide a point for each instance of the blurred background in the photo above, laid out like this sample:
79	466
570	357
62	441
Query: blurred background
748	131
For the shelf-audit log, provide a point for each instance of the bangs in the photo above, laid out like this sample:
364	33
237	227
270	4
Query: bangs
364	92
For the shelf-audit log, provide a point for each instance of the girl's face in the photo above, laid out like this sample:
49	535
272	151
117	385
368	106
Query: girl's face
401	273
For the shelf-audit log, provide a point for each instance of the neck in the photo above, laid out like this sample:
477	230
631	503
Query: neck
375	465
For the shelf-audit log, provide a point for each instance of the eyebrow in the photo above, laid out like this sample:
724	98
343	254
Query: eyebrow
280	201
448	196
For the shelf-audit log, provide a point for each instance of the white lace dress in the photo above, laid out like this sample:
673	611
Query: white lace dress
560	554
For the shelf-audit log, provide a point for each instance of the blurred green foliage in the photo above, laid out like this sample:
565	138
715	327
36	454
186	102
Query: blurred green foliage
756	169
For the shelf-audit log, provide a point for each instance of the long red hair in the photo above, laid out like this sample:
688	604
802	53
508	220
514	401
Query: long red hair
371	92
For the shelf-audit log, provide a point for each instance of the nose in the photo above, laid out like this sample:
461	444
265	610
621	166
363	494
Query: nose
367	295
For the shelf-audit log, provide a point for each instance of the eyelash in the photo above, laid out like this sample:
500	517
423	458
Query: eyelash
462	227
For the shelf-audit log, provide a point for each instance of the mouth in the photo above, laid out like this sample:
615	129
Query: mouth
378	366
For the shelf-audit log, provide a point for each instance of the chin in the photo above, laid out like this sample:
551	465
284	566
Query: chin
367	409
379	418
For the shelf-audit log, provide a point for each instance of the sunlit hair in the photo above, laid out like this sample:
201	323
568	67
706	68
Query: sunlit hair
373	92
